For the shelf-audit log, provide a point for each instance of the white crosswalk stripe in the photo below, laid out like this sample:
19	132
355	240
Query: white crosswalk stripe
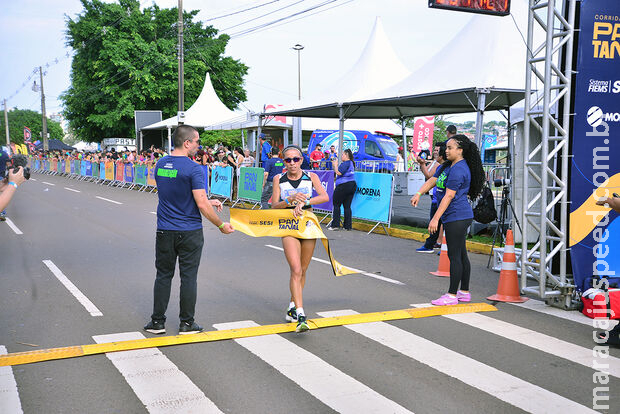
325	382
533	339
540	306
9	396
499	384
157	382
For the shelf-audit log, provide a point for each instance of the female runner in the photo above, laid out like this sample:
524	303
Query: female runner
293	189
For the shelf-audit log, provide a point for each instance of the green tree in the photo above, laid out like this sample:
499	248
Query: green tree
20	118
126	60
230	138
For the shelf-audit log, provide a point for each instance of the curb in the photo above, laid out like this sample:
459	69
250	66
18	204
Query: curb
473	247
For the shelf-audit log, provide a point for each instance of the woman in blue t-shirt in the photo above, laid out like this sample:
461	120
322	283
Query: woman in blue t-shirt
461	178
344	191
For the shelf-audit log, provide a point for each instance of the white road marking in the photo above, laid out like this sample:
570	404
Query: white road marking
575	316
157	382
33	179
533	339
13	226
108	200
154	212
71	189
333	387
45	182
506	387
90	307
9	395
316	259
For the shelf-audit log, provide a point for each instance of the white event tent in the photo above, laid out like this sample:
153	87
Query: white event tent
482	68
206	111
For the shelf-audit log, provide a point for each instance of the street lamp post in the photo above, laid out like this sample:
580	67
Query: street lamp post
298	48
297	139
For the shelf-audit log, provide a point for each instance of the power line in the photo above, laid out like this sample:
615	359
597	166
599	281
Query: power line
263	15
241	11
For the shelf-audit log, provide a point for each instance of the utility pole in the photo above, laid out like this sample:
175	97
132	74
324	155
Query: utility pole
44	116
6	128
181	109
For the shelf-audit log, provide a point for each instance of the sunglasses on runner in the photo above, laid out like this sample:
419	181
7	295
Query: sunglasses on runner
291	160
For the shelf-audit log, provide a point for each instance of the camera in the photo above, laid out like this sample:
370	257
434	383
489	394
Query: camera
501	182
424	154
20	160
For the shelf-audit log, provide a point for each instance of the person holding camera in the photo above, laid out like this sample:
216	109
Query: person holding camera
439	157
461	178
9	185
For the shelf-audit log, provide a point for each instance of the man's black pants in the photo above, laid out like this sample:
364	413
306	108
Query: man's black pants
187	247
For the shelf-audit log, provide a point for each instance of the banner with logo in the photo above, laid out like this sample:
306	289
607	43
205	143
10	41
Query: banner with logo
594	231
109	171
88	168
102	170
205	169
373	197
95	169
282	222
68	164
251	183
27	134
150	178
221	181
327	181
129	173
141	173
423	134
120	171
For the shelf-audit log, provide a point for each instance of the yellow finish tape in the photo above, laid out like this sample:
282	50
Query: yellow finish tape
20	358
280	223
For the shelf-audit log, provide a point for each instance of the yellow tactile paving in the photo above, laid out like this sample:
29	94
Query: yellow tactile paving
20	358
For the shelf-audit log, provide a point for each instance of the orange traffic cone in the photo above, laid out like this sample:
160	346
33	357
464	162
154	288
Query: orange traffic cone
443	269
508	287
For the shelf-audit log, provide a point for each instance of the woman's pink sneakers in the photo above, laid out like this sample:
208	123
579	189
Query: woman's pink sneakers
445	300
462	296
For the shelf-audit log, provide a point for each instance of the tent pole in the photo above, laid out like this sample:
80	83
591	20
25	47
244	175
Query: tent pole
257	159
405	152
340	131
242	140
482	99
169	141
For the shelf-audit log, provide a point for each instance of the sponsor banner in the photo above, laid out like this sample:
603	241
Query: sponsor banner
37	164
327	181
68	164
594	231
150	178
373	197
62	167
128	173
251	183
54	165
119	171
205	169
141	173
423	133
27	134
102	170
109	171
95	169
282	222
73	165
88	168
83	168
221	181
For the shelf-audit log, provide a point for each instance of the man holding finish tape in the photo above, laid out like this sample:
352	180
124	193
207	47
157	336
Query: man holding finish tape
182	198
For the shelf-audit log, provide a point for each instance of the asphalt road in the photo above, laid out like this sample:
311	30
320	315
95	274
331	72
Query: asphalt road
102	239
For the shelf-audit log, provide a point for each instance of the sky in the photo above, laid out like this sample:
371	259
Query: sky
32	34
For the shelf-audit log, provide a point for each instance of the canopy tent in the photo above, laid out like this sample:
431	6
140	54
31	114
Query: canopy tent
55	145
482	68
207	110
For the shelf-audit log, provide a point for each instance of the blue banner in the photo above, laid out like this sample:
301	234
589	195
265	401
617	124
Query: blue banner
128	176
221	181
595	230
83	168
37	164
206	170
88	168
102	170
327	181
63	166
373	197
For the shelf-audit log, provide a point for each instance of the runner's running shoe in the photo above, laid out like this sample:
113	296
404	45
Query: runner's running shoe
302	325
291	315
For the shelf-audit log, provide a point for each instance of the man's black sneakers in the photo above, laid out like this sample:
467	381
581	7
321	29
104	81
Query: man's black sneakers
155	327
189	328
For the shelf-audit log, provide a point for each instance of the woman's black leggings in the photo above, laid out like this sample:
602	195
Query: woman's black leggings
456	236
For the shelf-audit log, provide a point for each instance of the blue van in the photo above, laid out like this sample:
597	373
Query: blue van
365	146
